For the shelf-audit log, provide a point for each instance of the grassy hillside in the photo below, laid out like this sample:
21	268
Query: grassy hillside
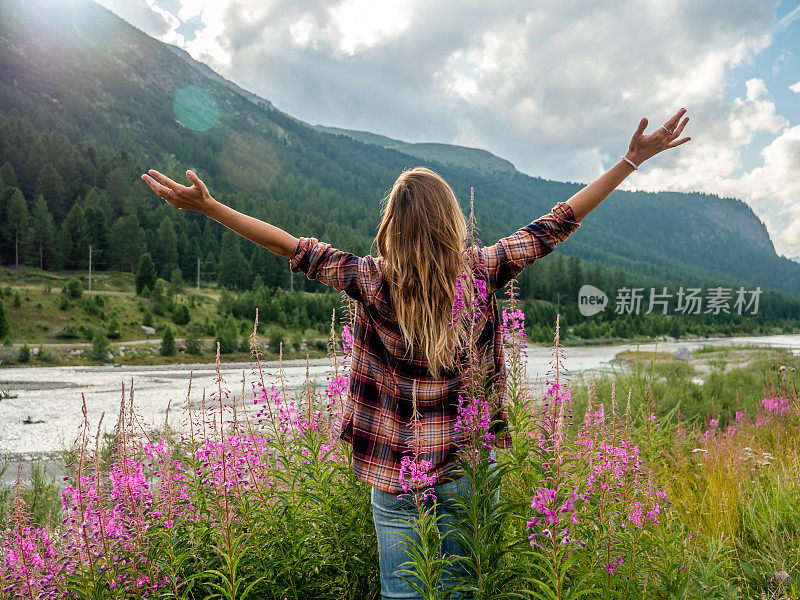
58	326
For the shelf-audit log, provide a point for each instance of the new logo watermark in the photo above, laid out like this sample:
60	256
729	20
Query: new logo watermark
591	300
685	301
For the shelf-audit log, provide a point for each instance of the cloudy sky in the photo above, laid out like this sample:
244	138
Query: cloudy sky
556	87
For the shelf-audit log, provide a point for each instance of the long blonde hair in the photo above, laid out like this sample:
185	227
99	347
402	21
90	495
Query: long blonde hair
421	238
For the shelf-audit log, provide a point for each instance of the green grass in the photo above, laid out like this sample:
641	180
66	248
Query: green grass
735	380
44	311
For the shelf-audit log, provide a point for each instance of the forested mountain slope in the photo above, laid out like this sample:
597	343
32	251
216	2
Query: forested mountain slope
87	102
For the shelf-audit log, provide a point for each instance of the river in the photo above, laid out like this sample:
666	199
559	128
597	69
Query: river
45	411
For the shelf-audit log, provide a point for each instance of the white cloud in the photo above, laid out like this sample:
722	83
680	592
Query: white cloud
774	189
795	87
365	23
555	87
771	189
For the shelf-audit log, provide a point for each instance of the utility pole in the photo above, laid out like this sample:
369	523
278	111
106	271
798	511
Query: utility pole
92	252
200	262
90	267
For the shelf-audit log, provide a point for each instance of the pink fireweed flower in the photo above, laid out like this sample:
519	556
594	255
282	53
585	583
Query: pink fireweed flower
347	339
414	475
474	421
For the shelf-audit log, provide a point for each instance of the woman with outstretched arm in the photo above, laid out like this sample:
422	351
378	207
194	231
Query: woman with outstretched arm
406	351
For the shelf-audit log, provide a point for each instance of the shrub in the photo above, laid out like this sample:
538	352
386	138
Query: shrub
99	350
5	326
167	342
113	328
24	354
193	344
226	335
45	355
276	335
74	288
90	306
64	304
180	316
17	301
147	317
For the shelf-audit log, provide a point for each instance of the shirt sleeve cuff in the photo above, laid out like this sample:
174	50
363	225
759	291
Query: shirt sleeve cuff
564	212
300	253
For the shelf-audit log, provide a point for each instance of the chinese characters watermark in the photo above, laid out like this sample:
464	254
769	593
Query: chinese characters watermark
685	301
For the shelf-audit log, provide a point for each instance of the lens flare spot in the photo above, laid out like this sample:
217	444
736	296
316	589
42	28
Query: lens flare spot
196	108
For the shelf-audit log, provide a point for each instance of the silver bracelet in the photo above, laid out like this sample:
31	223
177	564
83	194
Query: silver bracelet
630	162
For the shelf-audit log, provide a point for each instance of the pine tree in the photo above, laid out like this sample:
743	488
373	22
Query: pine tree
165	248
128	243
176	284
575	277
50	184
8	176
168	342
98	231
232	268
145	274
99	351
16	222
43	232
74	239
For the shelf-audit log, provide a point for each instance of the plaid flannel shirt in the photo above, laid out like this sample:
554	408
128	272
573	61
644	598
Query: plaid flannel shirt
378	408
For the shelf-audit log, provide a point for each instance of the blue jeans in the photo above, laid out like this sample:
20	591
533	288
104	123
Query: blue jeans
386	508
391	547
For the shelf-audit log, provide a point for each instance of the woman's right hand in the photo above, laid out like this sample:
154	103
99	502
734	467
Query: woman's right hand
643	146
186	198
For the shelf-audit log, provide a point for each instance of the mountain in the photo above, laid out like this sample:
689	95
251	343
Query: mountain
88	102
445	154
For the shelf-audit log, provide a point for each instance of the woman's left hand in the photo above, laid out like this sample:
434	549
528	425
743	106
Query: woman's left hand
643	146
186	198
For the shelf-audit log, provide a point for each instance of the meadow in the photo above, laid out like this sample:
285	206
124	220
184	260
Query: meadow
50	318
639	485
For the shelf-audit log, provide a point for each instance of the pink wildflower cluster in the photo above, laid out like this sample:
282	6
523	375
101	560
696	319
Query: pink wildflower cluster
554	513
615	470
415	476
474	421
514	323
30	565
108	518
773	407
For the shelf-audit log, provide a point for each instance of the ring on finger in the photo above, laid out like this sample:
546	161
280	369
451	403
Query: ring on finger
664	127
